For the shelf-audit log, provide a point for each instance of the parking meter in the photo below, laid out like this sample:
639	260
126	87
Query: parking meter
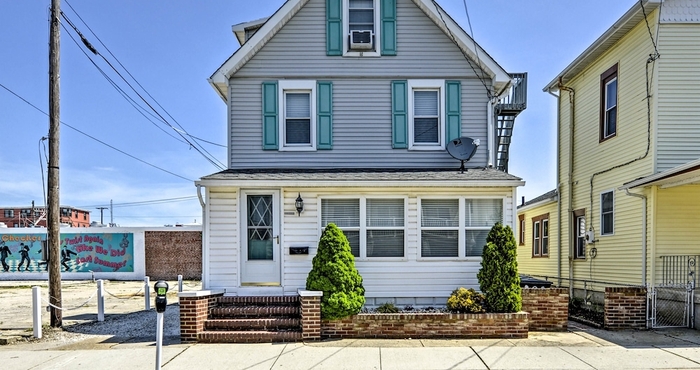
161	288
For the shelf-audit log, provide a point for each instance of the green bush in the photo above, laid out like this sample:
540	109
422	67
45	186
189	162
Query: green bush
498	276
387	307
334	274
464	300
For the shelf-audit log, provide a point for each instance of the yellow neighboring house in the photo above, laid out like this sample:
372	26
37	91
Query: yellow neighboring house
628	135
537	230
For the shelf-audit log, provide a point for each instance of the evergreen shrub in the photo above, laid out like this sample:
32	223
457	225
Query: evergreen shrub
464	300
334	274
498	276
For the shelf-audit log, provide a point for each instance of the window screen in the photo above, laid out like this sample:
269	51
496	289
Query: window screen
297	118
425	117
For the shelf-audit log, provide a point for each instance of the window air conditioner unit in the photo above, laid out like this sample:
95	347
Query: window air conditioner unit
361	40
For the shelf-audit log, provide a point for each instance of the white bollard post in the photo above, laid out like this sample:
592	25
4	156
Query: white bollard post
179	283
159	340
100	300
147	292
36	311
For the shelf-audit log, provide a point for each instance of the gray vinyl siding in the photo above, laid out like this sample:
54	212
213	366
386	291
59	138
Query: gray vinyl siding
678	131
362	135
361	130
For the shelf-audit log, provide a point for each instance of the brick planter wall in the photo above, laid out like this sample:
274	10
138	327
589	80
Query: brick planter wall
625	308
310	314
548	308
428	325
194	308
172	253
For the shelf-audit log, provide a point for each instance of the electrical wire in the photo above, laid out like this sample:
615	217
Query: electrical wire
123	93
202	151
93	138
145	202
130	75
479	74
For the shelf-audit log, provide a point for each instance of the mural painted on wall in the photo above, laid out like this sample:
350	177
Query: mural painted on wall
79	252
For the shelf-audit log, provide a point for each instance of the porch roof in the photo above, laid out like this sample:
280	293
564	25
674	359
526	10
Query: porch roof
357	177
684	174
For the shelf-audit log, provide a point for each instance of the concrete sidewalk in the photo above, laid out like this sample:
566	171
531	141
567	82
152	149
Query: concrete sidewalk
580	348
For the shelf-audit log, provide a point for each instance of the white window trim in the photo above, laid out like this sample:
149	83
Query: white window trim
600	198
606	108
427	85
296	86
462	247
377	32
544	237
363	224
536	239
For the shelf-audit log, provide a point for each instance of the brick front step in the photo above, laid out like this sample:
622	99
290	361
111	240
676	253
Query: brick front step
249	336
274	323
258	301
253	311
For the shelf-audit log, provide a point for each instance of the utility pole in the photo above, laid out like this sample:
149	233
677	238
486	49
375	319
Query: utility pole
102	209
111	213
54	222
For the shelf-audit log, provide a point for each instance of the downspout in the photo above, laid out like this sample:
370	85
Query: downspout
570	196
205	244
644	233
558	191
491	132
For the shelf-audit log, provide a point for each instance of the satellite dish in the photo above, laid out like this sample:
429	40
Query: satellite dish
463	148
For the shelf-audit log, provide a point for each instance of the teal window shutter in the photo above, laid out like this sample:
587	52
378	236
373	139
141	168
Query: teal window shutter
399	114
324	119
453	109
270	124
334	27
388	34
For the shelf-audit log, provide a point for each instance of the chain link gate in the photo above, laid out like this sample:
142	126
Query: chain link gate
671	306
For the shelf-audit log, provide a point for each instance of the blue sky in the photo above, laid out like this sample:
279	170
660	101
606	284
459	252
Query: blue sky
172	47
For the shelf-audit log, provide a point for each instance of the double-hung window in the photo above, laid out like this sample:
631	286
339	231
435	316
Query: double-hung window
426	127
607	213
608	103
298	123
457	227
540	236
521	231
9	213
579	231
375	227
362	27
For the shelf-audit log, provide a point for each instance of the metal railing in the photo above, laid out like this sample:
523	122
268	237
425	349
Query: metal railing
679	270
516	99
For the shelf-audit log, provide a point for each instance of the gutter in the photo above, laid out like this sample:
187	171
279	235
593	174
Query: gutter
644	232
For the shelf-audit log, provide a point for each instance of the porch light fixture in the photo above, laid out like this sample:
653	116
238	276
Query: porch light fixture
299	204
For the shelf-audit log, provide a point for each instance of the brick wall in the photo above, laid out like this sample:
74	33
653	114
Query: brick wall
428	325
548	308
310	316
625	308
173	253
193	313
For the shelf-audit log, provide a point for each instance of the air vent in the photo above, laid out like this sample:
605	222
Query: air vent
361	40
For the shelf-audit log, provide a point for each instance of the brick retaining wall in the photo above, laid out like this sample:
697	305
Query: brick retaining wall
548	308
194	310
428	325
173	253
625	308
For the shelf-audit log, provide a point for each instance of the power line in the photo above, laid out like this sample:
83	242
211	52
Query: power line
145	202
198	148
93	138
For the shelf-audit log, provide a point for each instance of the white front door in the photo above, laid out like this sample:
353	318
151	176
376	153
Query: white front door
260	244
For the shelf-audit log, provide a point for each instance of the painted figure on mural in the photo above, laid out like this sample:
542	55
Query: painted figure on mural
24	252
4	252
65	257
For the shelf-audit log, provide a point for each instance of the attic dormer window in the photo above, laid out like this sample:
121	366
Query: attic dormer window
361	27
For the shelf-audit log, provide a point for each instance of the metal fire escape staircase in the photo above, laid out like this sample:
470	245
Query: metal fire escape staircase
508	107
